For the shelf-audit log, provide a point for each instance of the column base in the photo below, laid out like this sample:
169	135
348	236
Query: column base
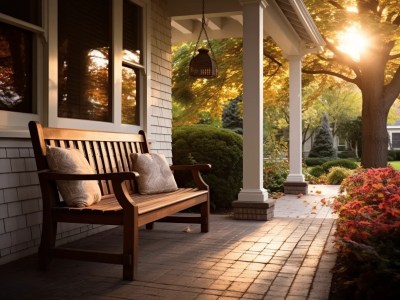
291	187
247	210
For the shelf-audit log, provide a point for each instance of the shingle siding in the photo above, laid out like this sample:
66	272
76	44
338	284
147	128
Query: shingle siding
161	100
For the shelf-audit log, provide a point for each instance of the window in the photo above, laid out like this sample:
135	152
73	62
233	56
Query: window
84	53
396	140
90	47
19	47
132	63
342	144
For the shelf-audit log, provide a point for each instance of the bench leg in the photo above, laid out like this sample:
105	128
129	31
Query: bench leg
150	226
205	214
131	245
47	242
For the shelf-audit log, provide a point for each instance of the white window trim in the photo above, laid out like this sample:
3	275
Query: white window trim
115	125
15	124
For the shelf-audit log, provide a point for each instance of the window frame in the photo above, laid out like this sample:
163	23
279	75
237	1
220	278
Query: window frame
116	124
14	124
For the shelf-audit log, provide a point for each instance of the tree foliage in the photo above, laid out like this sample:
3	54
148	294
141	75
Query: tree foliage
193	96
340	101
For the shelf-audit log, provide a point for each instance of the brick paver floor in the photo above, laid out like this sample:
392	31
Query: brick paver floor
289	257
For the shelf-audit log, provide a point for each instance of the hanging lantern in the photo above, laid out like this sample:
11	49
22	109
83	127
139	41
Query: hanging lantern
202	65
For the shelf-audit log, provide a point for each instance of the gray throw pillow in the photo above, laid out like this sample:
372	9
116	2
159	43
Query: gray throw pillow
155	176
78	193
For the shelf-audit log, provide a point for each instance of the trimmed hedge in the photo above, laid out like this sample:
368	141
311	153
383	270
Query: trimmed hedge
222	148
316	171
316	161
345	163
393	155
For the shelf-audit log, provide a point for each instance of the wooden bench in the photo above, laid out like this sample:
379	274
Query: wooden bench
109	155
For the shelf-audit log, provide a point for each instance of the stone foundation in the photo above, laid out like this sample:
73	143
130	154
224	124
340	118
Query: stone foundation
261	211
296	188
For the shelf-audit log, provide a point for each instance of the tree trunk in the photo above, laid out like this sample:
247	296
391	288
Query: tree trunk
375	110
374	136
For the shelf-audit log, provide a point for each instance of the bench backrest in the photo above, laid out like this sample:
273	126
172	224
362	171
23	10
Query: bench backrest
106	152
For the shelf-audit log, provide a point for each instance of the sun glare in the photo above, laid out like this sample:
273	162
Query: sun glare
353	42
352	9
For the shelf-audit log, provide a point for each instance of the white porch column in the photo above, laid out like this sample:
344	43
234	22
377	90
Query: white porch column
253	199
295	181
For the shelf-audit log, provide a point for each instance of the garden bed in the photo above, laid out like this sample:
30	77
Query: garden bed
368	236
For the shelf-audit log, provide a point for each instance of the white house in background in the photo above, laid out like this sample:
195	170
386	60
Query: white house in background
107	65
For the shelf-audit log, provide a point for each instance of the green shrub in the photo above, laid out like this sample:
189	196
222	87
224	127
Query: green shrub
275	174
345	163
346	154
393	155
315	161
222	148
337	174
316	171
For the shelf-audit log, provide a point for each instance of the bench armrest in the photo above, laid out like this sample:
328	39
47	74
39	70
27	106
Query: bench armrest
117	179
195	169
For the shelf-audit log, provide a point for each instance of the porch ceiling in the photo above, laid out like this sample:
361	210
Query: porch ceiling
286	21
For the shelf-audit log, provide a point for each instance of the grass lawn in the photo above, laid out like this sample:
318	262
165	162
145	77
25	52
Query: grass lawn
395	164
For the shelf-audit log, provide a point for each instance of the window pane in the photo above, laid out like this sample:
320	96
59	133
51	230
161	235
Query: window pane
396	140
132	33
132	53
130	96
25	10
16	48
84	54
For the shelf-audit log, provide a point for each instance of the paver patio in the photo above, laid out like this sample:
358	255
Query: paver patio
289	257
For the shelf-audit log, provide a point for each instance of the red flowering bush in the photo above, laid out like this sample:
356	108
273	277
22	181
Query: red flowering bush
368	229
369	211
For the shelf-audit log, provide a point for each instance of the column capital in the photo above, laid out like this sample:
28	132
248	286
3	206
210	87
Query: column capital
262	3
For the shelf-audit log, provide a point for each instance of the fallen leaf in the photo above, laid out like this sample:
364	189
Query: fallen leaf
318	192
323	201
187	229
299	195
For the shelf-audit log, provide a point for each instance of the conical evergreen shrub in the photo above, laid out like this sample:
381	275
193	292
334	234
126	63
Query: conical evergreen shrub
232	116
323	143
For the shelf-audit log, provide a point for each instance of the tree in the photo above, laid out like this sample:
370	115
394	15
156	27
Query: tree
340	101
323	143
232	115
376	71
